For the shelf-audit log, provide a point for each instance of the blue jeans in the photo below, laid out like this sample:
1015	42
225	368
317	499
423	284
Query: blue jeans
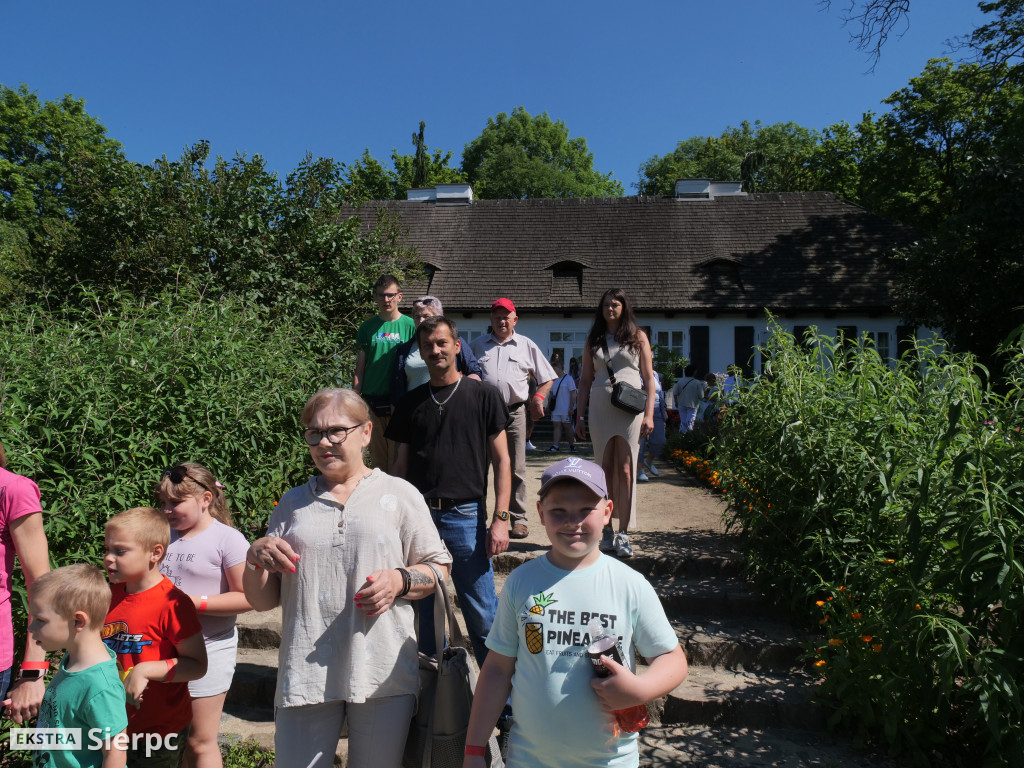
5	682
464	532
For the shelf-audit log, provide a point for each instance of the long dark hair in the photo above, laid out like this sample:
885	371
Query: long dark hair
628	333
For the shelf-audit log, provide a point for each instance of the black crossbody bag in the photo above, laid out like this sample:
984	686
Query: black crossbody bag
625	396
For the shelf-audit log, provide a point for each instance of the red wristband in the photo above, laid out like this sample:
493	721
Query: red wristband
172	666
540	397
35	665
202	603
475	751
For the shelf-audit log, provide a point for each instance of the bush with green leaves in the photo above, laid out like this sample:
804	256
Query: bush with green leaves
95	402
885	505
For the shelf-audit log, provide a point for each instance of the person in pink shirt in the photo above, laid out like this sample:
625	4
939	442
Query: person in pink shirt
21	533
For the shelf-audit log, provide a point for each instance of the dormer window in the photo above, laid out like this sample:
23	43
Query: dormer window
567	279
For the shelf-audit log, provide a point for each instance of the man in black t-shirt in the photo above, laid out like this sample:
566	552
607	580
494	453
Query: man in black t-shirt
445	431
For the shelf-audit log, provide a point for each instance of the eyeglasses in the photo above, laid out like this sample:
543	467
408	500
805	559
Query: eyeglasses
334	435
388	296
179	472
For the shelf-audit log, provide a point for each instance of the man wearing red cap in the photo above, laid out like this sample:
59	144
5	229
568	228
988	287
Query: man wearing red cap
508	360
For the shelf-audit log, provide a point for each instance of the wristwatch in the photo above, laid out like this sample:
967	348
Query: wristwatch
501	514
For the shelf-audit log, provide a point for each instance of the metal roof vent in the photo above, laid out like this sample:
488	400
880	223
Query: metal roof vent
693	189
706	189
444	194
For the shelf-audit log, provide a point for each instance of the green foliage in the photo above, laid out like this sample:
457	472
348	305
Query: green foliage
247	754
96	402
767	158
40	145
368	179
518	156
886	504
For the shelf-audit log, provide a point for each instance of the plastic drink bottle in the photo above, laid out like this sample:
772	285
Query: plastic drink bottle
630	719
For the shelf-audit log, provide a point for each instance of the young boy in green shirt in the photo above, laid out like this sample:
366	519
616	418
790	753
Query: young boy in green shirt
67	609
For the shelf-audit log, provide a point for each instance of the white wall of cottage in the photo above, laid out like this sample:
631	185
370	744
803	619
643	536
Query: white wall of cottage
555	332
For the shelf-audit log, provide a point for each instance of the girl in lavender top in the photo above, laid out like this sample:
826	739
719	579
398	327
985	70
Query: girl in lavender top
205	559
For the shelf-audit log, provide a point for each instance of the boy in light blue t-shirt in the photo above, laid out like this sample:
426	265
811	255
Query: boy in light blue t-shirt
67	610
538	642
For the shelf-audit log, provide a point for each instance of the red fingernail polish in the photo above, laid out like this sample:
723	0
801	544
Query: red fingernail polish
293	570
370	579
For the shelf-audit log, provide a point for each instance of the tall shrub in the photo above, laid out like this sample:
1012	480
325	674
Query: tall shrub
886	503
96	401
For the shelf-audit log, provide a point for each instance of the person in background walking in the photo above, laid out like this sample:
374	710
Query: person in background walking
687	394
563	402
652	445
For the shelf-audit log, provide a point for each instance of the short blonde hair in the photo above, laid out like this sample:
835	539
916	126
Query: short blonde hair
349	401
148	526
78	587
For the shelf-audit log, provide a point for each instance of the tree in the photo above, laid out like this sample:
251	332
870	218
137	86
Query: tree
769	158
368	179
519	156
41	143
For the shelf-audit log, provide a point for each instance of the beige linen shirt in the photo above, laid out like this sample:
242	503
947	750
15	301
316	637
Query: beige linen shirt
330	649
508	366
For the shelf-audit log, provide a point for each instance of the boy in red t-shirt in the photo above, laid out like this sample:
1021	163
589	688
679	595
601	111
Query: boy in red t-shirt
153	628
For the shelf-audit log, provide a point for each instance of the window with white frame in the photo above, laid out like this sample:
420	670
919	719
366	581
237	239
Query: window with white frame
671	341
881	342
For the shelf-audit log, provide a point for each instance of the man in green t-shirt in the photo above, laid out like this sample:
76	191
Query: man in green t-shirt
378	339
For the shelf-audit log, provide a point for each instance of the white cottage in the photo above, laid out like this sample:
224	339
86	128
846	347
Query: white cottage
702	267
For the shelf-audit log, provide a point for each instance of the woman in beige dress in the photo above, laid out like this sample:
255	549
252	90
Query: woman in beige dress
615	340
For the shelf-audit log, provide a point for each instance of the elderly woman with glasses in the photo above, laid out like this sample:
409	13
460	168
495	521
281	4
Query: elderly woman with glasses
345	555
410	367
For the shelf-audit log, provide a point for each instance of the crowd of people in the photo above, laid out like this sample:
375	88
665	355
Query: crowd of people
150	645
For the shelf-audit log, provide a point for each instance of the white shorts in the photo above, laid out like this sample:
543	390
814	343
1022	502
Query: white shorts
561	418
220	667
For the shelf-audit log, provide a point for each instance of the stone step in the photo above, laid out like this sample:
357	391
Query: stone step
739	642
722	697
260	629
710	596
255	680
702	747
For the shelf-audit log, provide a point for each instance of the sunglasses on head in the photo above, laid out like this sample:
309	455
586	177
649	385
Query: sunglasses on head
179	472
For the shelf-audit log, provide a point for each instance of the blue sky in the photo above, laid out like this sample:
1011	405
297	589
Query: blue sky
332	78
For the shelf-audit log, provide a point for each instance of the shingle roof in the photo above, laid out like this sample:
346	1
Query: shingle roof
793	252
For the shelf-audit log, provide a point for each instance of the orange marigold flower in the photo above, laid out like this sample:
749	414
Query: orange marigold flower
822	621
842	588
866	638
835	641
819	603
876	647
856	615
820	663
889	560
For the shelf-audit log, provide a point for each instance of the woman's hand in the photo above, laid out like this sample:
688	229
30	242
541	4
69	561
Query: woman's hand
581	429
379	591
646	426
272	554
